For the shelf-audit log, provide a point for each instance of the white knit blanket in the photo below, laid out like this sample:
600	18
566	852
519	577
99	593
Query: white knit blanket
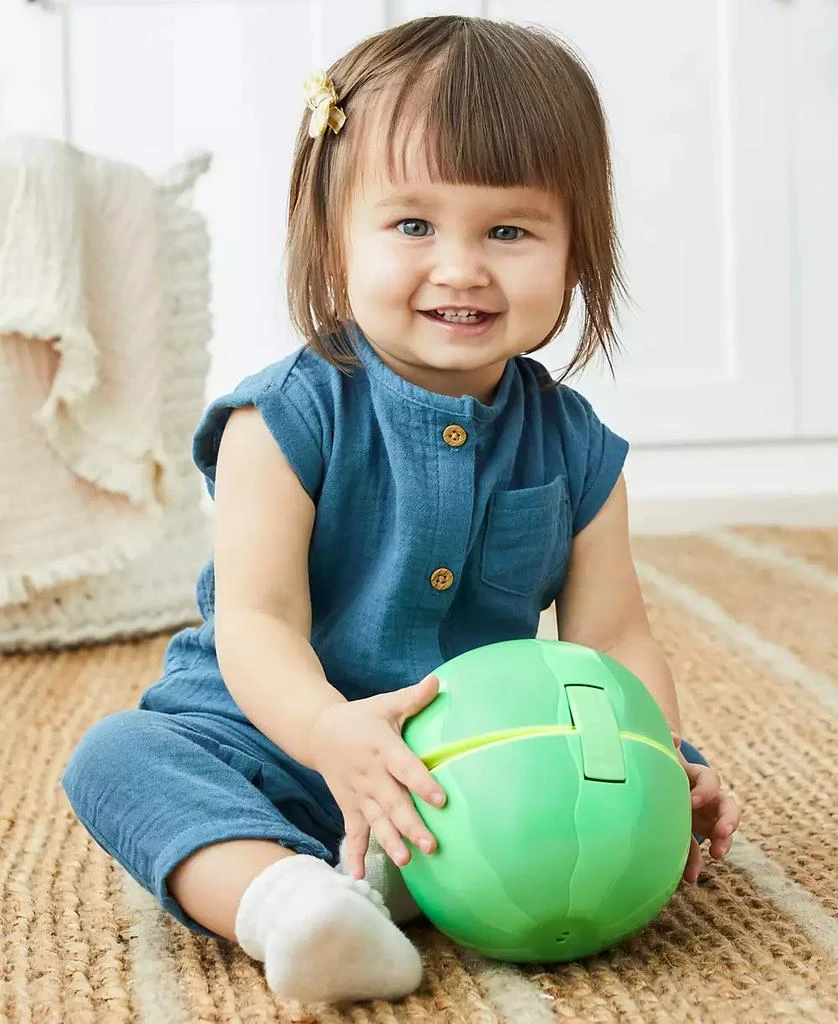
82	465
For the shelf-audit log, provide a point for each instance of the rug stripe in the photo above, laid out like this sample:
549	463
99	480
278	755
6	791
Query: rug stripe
785	893
765	873
768	554
815	545
780	659
157	988
511	993
774	603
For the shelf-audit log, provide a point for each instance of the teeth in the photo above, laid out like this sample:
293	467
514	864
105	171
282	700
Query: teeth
458	314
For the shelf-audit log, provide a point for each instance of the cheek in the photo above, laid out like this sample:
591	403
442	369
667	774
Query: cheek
538	286
381	274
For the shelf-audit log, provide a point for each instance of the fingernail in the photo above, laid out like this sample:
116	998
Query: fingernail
439	799
425	845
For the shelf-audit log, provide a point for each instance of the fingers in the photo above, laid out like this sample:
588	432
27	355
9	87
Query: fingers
726	824
410	700
392	802
720	848
357	841
412	772
716	814
693	866
705	785
386	833
730	815
389	814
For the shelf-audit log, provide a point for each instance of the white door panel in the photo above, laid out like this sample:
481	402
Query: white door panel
814	153
696	100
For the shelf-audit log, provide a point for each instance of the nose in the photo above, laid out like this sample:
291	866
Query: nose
459	266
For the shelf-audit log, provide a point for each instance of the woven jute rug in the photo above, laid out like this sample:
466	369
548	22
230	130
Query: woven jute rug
749	619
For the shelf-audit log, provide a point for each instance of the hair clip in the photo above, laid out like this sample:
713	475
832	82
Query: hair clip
322	99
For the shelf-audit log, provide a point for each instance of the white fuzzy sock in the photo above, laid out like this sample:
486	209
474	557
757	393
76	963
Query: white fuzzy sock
324	937
386	879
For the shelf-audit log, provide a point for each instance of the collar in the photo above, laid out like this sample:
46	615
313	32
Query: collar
466	406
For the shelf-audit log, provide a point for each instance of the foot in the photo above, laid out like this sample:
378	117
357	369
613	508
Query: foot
323	936
337	945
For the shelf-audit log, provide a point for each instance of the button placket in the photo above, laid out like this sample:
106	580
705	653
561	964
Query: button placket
457	497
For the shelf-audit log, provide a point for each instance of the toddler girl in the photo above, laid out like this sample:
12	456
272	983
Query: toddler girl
406	487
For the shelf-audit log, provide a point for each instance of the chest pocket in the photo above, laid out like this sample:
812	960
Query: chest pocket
527	539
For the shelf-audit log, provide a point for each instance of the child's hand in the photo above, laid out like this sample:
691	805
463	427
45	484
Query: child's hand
715	816
358	749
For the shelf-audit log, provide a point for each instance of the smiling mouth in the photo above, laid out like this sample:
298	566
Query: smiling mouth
459	316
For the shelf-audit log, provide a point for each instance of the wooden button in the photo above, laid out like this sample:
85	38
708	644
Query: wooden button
455	436
441	579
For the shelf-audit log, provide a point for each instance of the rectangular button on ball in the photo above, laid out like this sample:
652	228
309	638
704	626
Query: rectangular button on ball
599	734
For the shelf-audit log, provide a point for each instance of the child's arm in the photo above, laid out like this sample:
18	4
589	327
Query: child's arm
601	605
262	528
263	525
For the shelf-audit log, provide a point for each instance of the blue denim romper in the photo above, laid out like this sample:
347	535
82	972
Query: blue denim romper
442	524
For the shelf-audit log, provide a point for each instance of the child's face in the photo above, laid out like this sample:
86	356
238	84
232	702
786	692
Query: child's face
417	246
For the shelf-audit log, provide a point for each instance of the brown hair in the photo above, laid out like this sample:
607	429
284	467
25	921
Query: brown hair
494	104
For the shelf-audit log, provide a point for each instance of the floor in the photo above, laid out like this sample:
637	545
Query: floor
747	619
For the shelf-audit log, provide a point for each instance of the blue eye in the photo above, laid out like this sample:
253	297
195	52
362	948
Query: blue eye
415	228
506	233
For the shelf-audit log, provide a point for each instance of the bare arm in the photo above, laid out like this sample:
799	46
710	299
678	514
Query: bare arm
263	523
601	605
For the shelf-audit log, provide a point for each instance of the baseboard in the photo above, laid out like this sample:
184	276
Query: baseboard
803	470
707	514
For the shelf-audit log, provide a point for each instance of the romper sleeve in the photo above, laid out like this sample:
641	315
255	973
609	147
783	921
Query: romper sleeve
594	456
289	412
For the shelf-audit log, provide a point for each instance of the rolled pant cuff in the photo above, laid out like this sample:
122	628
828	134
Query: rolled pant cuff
195	839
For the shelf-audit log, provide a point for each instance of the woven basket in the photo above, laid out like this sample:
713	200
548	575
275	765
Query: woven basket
156	591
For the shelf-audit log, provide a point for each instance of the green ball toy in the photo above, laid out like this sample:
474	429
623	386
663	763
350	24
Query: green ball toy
567	822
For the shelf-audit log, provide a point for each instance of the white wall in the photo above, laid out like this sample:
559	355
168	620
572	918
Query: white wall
725	182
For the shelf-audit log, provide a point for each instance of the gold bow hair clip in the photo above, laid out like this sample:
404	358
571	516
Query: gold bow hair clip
322	99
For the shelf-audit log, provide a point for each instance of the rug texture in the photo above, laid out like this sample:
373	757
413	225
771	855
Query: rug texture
749	619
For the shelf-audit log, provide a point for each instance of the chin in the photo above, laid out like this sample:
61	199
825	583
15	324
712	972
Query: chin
458	362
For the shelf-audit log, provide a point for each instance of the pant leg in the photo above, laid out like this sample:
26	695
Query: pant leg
692	754
152	788
196	696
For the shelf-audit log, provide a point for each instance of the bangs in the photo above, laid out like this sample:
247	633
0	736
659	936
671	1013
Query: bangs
474	113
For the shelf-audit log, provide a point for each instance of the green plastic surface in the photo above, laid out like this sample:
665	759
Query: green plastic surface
567	823
599	734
